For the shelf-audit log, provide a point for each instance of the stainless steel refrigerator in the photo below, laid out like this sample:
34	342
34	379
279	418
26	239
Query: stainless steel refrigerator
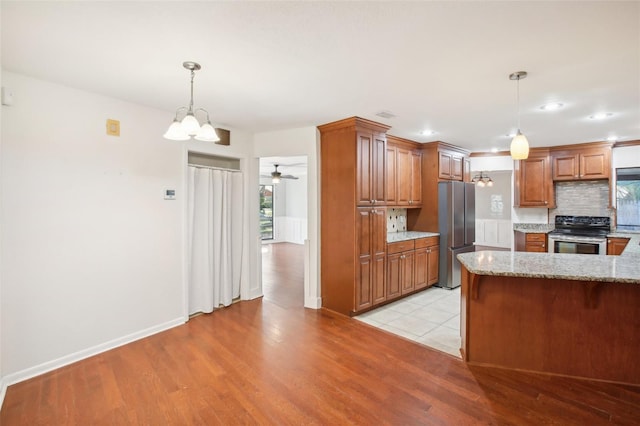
457	227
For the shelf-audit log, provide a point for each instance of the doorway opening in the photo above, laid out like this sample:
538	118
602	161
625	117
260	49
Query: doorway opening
283	228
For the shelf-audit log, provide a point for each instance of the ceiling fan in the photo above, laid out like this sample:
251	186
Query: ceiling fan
276	175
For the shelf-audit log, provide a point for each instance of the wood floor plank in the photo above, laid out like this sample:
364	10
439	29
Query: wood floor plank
274	362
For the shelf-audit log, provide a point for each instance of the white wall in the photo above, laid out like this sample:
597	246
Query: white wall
92	254
293	142
628	156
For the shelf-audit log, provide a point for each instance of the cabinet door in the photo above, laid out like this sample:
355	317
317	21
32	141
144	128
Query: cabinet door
365	271
364	167
534	185
391	179
421	268
404	176
615	246
595	164
393	276
444	165
379	250
406	268
565	167
466	170
432	270
416	179
456	168
378	169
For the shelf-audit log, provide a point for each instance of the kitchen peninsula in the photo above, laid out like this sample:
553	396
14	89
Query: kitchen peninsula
565	314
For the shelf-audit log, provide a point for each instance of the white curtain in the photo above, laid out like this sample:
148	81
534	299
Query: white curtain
215	237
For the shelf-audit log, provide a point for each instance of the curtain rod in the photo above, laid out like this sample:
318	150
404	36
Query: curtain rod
213	168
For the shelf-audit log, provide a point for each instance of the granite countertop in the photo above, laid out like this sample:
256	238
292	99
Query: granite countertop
533	227
583	267
394	237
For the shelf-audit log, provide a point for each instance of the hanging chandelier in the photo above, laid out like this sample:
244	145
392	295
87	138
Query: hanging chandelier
519	145
189	126
482	179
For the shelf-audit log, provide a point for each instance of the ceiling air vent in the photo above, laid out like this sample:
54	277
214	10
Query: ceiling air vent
385	114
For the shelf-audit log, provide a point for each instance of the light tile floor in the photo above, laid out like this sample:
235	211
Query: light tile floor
431	317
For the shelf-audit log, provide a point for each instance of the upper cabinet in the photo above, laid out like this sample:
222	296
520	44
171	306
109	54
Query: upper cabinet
450	164
404	173
533	181
370	168
582	162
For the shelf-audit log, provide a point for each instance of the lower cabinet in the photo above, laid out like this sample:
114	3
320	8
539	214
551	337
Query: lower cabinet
411	265
531	241
616	245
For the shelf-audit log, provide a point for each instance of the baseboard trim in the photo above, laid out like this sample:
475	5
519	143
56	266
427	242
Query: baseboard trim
313	302
28	373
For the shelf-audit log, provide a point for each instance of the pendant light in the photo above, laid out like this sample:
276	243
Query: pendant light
189	126
482	179
519	144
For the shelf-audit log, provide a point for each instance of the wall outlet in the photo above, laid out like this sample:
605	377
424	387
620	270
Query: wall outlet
169	194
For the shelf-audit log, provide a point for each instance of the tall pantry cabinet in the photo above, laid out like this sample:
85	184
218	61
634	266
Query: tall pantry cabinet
353	215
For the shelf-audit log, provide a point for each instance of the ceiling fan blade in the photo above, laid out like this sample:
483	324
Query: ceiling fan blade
288	177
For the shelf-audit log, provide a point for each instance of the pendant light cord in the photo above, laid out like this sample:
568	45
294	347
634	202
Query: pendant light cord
518	100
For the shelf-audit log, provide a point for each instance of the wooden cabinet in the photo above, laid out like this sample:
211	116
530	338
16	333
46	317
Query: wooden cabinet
616	245
400	264
426	262
411	266
531	241
450	165
404	173
372	238
466	170
586	161
353	227
440	161
370	183
533	182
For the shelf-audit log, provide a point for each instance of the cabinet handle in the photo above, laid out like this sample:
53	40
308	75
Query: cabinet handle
542	245
546	202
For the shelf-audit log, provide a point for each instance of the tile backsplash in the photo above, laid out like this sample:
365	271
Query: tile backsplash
581	198
396	220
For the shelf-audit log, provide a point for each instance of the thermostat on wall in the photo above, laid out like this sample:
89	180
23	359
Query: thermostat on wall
169	194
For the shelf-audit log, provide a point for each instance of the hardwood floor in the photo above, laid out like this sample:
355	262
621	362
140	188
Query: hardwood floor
259	362
283	274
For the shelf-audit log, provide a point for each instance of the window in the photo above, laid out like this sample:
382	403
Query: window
266	212
628	198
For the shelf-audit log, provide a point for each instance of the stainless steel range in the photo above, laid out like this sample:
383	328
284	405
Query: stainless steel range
580	234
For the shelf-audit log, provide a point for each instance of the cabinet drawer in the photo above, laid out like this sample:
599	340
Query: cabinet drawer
426	242
400	246
536	238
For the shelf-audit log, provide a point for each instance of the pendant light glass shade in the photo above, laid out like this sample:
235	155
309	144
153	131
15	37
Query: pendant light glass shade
176	132
207	133
190	124
519	147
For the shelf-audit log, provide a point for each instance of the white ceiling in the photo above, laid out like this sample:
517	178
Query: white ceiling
275	65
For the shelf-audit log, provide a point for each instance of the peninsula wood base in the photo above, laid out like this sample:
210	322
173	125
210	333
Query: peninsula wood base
573	328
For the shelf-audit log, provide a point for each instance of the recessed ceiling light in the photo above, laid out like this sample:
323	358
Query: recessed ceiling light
552	106
600	116
510	135
494	149
427	132
386	114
